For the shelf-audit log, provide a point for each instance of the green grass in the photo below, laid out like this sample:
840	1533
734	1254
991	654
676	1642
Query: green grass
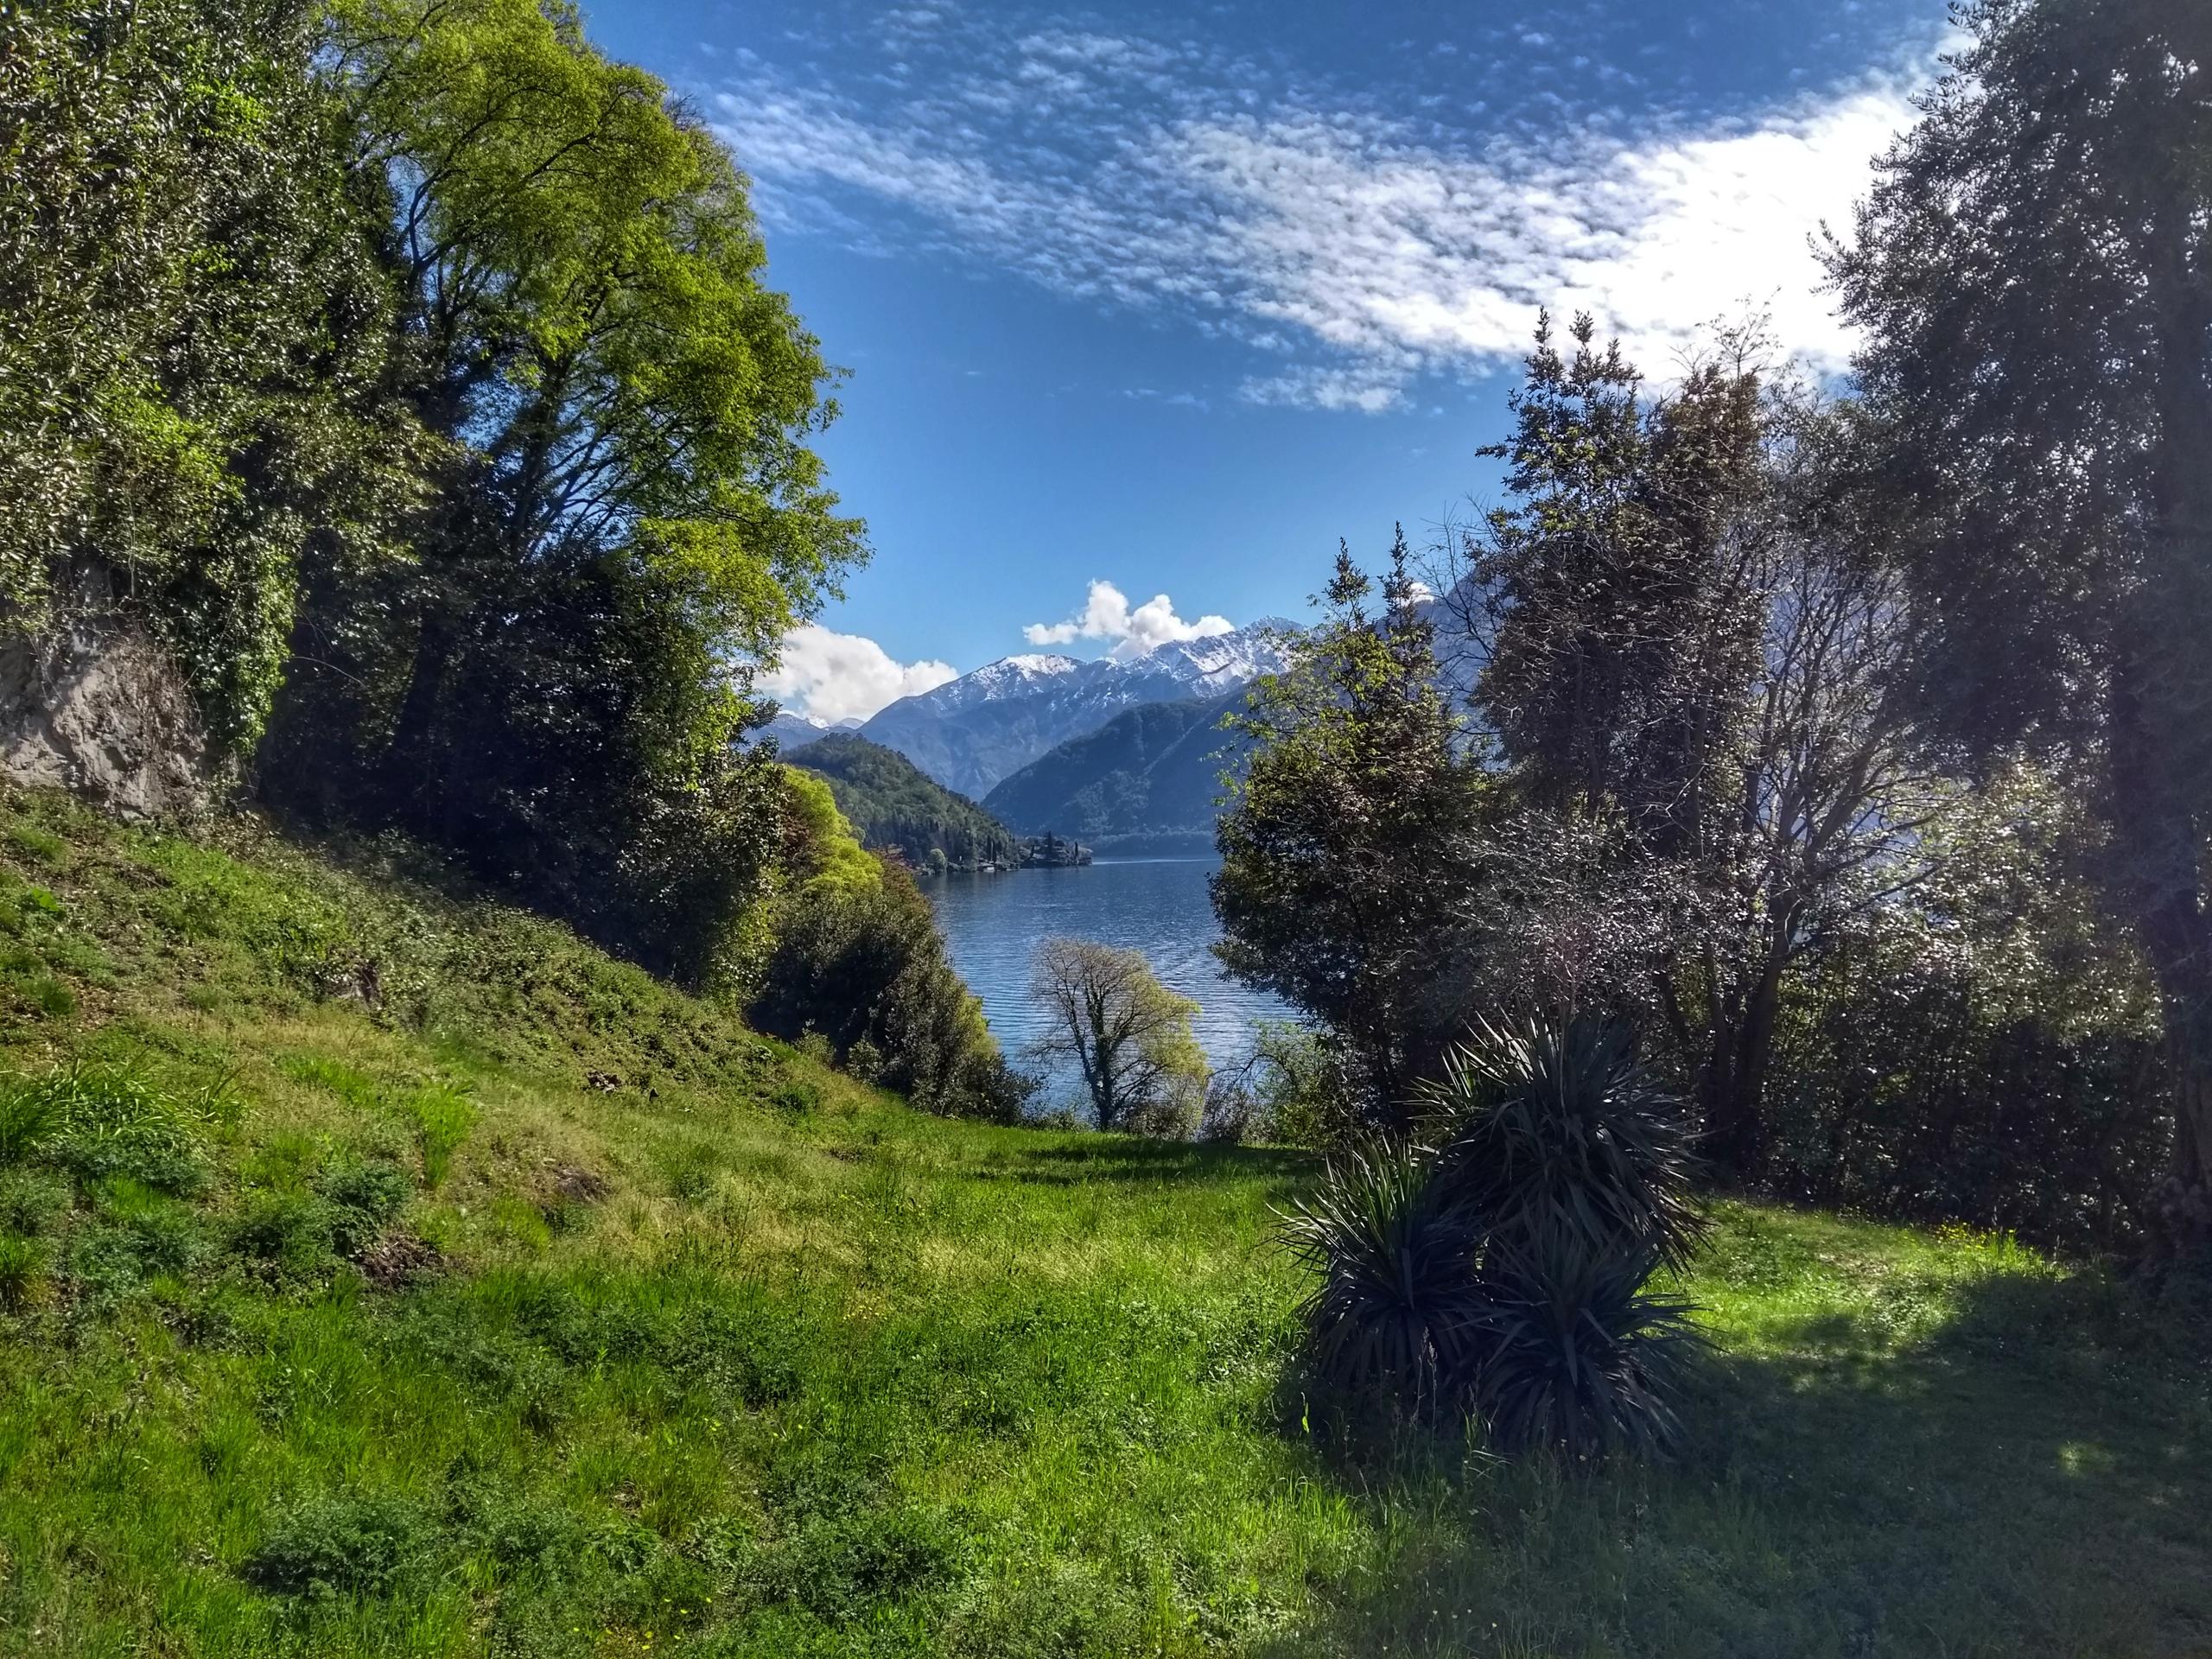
337	1314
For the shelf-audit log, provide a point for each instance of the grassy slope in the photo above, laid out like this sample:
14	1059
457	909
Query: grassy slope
813	1374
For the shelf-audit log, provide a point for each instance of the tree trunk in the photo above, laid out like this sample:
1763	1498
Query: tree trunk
1734	1084
407	788
2159	873
2157	692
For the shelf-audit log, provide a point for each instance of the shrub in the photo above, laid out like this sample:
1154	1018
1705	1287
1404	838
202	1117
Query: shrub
333	1547
1555	1126
1397	1304
103	1122
860	962
1576	1356
363	1199
1501	1273
29	1117
31	1200
293	1232
23	1271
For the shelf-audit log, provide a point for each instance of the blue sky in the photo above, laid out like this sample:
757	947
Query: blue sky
1170	298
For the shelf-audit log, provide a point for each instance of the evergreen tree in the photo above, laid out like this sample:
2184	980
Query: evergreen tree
1348	847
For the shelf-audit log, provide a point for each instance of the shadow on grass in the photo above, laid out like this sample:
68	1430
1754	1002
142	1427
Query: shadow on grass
1129	1158
2030	1477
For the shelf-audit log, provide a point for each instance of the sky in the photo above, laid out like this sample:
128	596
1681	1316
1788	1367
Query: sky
1141	310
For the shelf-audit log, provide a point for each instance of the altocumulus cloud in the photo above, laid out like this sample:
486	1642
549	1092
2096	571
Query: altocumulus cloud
1138	631
1356	250
838	677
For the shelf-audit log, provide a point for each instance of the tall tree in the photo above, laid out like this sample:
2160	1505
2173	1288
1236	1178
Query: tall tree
1348	847
631	516
1686	625
2033	273
191	371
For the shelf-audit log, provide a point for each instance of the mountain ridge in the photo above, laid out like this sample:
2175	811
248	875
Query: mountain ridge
971	733
1153	769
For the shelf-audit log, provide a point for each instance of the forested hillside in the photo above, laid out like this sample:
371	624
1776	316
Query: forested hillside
1157	769
892	807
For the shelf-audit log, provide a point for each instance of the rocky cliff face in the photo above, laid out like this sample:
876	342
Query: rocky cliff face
99	707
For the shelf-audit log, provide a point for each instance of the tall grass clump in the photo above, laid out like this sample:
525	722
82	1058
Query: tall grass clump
1497	1266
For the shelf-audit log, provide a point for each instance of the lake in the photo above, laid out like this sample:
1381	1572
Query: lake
1158	905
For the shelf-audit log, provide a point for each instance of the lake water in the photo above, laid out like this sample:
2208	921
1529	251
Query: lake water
993	923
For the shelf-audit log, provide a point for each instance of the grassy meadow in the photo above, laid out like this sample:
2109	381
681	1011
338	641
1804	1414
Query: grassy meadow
383	1272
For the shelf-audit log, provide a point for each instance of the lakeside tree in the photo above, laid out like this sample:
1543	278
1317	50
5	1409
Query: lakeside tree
1348	847
2033	274
1127	1034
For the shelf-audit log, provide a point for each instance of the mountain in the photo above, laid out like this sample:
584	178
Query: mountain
891	805
789	730
1152	770
977	729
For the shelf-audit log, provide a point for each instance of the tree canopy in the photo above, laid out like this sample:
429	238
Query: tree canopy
2033	273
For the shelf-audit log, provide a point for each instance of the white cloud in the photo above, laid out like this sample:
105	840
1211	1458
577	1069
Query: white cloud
1106	614
838	677
1364	249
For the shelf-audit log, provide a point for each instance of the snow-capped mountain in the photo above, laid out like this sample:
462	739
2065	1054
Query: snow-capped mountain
790	729
971	732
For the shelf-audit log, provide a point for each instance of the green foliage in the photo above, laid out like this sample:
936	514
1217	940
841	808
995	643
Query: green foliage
968	1390
187	385
29	1115
891	806
1392	1321
23	1272
2032	273
857	963
331	1547
103	1123
631	516
1127	1034
824	851
1350	840
2021	1082
1553	1131
443	1117
1577	1356
1500	1273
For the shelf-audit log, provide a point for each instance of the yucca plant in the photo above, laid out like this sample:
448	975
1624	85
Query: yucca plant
1396	1313
1577	1356
1552	1128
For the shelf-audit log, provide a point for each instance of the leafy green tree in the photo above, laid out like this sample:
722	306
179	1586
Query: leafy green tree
1688	623
2033	274
1126	1033
630	516
1987	1053
192	376
1349	849
855	959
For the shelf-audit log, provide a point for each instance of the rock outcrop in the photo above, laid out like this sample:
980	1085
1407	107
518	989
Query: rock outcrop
99	707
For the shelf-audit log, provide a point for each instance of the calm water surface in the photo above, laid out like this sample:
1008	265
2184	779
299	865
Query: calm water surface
993	923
